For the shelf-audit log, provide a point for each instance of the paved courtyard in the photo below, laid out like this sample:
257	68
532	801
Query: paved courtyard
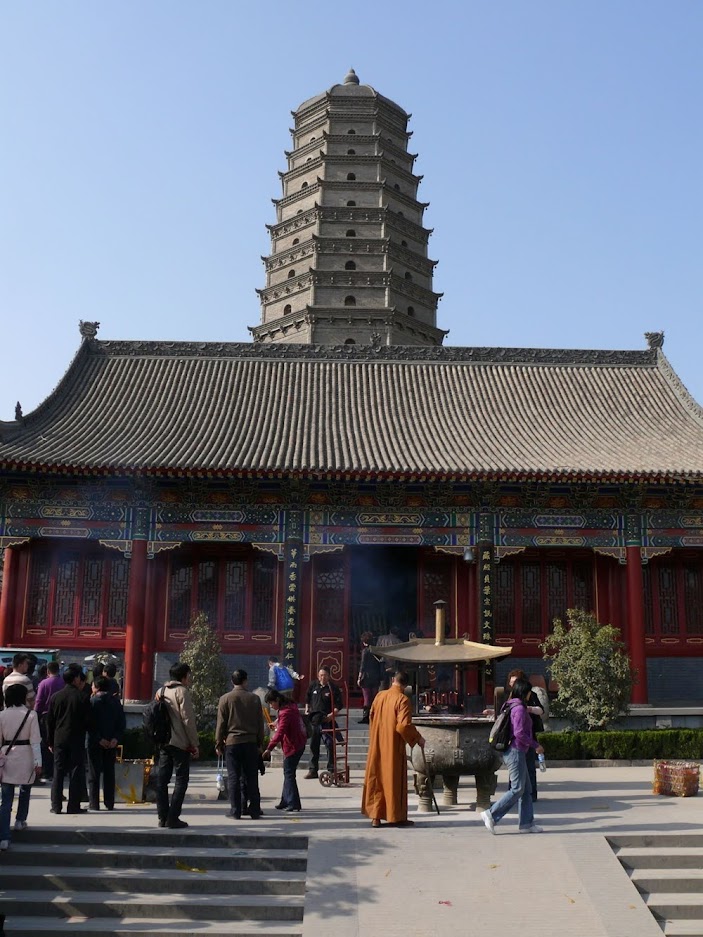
449	874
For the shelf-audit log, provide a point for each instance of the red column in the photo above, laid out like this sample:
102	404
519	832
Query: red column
7	605
149	637
635	622
136	599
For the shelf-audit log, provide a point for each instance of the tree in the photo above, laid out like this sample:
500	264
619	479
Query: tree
589	662
203	653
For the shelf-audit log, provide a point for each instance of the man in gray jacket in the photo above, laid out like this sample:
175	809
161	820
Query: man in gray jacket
240	736
177	753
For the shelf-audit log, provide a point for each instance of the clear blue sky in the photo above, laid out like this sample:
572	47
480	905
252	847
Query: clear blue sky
561	145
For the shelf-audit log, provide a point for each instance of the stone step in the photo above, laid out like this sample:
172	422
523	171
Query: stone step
668	880
682	928
189	839
150	907
115	855
672	906
655	840
160	881
138	927
681	857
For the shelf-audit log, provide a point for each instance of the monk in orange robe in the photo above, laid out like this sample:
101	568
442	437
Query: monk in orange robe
385	795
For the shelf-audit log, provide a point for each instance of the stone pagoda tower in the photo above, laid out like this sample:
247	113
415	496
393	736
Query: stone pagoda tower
348	262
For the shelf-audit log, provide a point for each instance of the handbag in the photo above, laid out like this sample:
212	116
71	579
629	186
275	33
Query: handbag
17	735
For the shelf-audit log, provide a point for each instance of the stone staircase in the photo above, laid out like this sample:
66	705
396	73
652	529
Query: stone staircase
145	883
667	870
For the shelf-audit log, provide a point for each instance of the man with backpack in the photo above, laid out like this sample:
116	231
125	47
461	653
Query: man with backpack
176	753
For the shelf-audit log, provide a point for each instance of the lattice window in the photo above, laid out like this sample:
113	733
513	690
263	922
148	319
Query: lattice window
668	603
207	590
65	600
582	579
504	599
436	585
531	599
117	598
693	598
648	600
330	595
235	595
39	582
91	593
262	614
181	588
557	595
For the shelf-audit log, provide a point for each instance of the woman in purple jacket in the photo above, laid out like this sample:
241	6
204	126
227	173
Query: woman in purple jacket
514	758
290	732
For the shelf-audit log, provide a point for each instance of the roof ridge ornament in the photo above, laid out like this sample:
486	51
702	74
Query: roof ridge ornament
351	78
655	339
88	330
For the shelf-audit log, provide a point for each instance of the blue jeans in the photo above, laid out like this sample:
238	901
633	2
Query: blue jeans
291	796
6	798
520	791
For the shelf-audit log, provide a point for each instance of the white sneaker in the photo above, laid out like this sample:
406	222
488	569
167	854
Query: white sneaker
531	829
20	824
4	844
487	818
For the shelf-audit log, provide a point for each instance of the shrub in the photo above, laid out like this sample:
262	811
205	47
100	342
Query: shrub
635	744
203	653
589	662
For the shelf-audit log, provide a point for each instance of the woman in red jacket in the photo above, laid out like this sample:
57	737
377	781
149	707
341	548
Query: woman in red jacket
290	732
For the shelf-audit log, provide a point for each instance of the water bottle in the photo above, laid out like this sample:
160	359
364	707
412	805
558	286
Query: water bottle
542	762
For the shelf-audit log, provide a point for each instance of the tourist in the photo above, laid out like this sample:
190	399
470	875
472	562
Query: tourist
385	794
103	738
536	711
514	758
388	640
239	735
282	678
323	702
291	735
47	689
371	672
20	744
176	754
111	673
67	722
21	664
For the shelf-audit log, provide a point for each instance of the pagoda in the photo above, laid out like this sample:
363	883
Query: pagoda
348	262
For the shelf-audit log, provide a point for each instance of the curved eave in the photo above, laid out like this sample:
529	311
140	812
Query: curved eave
407	477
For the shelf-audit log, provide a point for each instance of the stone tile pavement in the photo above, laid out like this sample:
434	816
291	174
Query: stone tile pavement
448	874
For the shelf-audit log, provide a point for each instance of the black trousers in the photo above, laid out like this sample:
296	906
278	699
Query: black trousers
47	757
243	777
69	759
170	759
319	736
101	763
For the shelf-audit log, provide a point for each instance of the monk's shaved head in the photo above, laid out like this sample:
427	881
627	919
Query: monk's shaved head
401	678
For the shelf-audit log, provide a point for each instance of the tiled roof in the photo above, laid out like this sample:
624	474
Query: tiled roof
458	412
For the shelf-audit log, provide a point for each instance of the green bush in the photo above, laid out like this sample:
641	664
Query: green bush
634	745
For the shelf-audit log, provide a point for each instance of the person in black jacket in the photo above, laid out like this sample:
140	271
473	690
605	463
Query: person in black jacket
103	739
323	702
67	721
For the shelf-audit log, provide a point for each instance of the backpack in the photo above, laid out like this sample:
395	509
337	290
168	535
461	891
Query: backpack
283	679
157	722
501	731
